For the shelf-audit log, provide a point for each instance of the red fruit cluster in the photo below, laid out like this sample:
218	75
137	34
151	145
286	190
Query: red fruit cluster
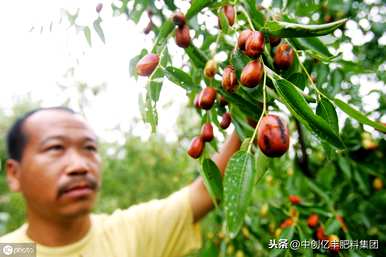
182	32
273	138
252	44
205	100
197	145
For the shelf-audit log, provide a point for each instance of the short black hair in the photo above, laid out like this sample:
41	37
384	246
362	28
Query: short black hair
17	140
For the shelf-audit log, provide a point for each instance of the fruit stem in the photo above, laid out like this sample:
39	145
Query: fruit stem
262	113
248	18
214	50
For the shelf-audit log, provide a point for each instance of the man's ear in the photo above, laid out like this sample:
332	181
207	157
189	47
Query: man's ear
13	175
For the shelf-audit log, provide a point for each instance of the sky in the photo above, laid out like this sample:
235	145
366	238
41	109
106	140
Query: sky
34	61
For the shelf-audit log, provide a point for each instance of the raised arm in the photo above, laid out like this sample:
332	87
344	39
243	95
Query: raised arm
199	197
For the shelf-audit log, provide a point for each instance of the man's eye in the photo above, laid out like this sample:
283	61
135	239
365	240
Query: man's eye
91	148
55	148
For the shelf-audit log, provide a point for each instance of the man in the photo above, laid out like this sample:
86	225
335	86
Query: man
54	162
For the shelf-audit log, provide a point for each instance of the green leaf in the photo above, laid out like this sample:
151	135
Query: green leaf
212	179
286	29
314	44
87	35
336	79
298	79
262	165
362	183
197	57
223	21
181	78
165	30
321	193
362	118
322	72
238	184
196	7
156	79
286	234
300	109
98	29
332	226
326	110
138	8
151	115
170	4
344	166
256	16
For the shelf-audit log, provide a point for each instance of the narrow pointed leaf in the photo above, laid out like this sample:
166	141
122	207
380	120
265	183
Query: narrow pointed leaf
98	29
326	110
212	179
238	184
301	110
287	29
362	118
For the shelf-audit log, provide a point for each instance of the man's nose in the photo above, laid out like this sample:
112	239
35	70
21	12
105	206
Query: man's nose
77	164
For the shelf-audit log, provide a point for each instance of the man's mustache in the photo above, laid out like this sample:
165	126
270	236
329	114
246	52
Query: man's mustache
84	180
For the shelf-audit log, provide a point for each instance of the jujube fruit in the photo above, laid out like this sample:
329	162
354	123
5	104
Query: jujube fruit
207	132
210	69
333	244
197	101
196	147
274	40
273	138
207	98
99	7
287	223
294	199
222	100
284	56
183	36
243	38
147	64
226	120
252	74
377	184
178	19
254	45
229	12
313	220
319	234
229	79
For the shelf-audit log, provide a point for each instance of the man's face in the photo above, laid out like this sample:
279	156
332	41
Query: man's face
60	167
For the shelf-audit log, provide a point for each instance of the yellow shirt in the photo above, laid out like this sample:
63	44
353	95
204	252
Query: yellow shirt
159	228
